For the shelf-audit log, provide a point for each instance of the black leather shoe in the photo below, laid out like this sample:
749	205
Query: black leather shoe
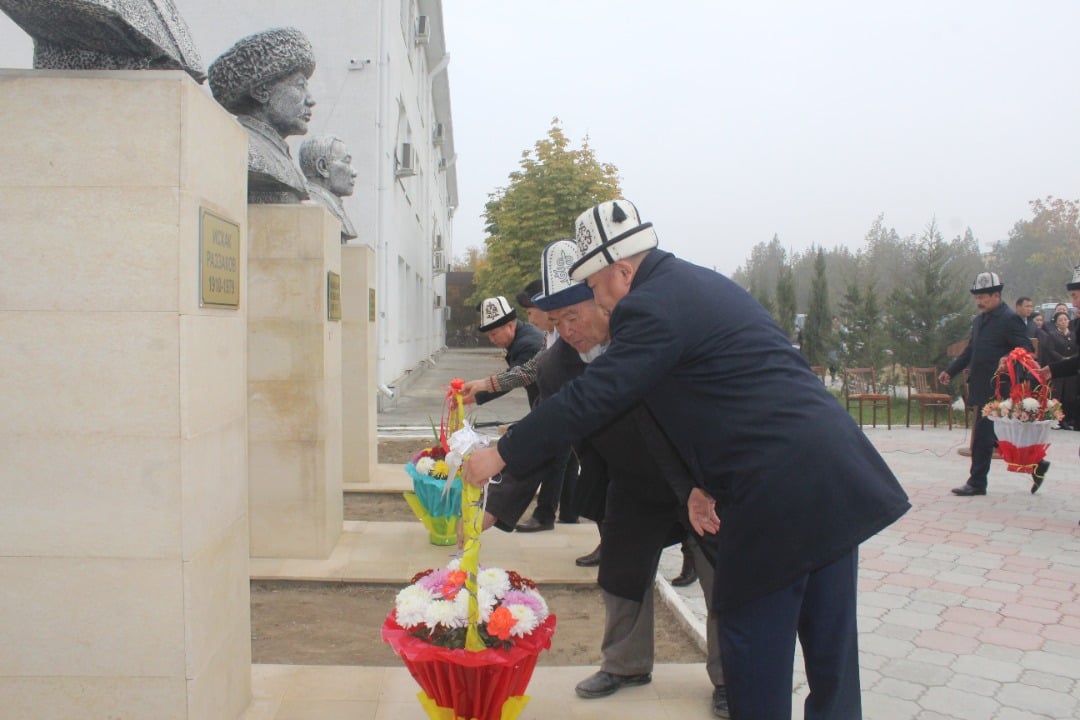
968	491
688	574
602	684
719	702
1039	475
590	560
534	525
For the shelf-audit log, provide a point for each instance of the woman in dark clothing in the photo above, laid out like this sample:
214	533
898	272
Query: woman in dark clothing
1060	344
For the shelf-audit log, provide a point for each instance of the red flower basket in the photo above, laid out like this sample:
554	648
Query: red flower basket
1022	444
486	685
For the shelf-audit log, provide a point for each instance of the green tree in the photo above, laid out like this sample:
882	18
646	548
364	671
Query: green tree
785	300
817	335
1038	257
928	314
554	184
863	336
762	296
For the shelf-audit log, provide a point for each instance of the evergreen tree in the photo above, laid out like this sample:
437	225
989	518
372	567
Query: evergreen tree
818	331
929	314
785	300
554	184
762	296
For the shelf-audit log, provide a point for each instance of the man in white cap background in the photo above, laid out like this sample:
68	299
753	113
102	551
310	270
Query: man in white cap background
624	466
499	323
791	485
995	331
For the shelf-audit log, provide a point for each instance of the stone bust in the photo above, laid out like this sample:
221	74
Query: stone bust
263	80
327	165
107	35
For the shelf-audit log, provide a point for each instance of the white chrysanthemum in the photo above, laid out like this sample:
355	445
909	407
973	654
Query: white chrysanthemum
1029	404
494	580
1006	405
454	564
526	620
424	465
486	602
411	605
447	613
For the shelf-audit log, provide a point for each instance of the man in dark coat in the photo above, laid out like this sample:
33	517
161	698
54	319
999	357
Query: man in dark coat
498	321
995	331
795	485
624	468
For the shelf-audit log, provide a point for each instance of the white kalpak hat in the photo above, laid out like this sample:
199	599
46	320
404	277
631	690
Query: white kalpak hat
608	232
1075	283
495	311
559	290
986	282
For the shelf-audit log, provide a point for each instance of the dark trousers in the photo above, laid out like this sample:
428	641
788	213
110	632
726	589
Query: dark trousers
568	512
758	644
551	489
982	449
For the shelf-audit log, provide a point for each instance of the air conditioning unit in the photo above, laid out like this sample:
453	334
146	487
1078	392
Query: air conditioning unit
423	30
437	134
406	161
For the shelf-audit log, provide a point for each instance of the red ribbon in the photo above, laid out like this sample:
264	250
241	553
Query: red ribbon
456	386
1023	358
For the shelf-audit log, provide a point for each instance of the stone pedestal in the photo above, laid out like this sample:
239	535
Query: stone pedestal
294	382
123	408
359	358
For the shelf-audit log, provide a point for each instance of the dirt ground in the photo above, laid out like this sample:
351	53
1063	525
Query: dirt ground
339	623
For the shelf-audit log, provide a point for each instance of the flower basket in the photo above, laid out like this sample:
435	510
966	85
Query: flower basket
1022	444
469	635
438	513
461	685
1022	419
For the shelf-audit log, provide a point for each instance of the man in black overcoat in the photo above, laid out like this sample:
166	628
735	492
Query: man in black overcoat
499	322
995	331
624	468
795	485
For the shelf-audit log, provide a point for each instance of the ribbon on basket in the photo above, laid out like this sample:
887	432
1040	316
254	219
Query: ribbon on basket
461	441
1022	421
1025	360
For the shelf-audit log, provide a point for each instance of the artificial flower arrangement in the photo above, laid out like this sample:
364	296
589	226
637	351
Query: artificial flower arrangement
1022	420
435	607
435	499
469	636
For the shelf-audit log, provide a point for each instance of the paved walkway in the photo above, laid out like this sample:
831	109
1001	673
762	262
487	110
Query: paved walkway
969	608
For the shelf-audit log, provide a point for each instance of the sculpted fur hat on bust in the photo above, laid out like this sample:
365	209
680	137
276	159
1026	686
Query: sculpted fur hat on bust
257	60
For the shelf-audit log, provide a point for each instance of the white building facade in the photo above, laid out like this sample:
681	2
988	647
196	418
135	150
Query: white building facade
381	85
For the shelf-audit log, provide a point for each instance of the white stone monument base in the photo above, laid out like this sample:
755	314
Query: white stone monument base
359	359
123	407
294	382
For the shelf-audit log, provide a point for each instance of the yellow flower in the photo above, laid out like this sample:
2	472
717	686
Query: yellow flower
441	470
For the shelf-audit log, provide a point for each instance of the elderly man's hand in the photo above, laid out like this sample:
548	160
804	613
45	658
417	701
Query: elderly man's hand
1044	374
702	510
468	393
944	378
482	465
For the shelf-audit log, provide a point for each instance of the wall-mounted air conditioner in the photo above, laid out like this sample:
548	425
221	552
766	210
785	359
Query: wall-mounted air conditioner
406	161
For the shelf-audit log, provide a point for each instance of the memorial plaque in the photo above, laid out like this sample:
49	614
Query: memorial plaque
333	296
371	305
219	261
